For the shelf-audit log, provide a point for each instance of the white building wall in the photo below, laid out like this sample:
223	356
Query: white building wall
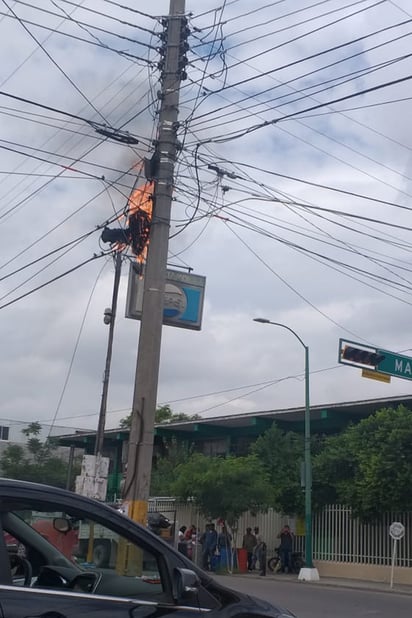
11	431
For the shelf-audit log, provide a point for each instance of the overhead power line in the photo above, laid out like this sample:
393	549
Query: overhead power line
266	123
43	285
124	54
103	129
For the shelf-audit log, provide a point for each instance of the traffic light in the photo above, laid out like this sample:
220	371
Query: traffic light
116	235
362	357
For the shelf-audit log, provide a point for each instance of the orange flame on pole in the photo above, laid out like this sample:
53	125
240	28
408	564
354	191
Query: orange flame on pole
139	217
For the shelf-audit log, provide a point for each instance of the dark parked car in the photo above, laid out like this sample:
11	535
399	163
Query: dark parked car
143	576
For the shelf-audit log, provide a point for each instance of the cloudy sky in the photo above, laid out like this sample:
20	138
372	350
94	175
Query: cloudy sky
311	228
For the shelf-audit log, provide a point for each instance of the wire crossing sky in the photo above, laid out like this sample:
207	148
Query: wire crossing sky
292	195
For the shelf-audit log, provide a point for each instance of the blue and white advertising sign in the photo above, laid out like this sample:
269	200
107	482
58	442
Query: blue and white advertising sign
183	299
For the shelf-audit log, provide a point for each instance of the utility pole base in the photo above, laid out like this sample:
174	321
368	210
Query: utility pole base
308	575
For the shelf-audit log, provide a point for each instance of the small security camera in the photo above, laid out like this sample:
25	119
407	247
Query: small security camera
107	318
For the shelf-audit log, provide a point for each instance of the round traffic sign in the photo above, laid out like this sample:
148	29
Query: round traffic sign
397	530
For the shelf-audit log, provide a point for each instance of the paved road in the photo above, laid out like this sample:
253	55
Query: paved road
316	601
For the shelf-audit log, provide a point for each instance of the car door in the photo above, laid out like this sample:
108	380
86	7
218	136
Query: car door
132	580
19	602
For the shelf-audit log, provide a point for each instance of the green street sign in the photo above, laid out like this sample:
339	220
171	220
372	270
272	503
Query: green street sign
375	359
395	364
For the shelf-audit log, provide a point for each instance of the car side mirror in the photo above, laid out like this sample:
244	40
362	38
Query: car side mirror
185	584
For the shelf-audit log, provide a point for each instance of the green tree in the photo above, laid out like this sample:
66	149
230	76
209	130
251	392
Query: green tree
369	466
163	414
223	487
36	461
164	467
281	454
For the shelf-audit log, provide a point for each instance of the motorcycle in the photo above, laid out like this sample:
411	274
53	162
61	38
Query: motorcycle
297	562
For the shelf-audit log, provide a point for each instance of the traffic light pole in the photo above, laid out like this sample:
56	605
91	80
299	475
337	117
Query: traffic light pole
103	404
139	462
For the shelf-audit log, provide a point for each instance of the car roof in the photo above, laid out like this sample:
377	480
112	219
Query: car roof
13	488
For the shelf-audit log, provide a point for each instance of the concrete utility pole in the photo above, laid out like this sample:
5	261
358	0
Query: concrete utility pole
139	464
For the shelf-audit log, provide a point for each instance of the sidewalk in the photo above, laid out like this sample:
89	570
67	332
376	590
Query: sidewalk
354	584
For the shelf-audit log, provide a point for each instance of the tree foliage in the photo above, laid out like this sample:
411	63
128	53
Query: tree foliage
369	466
37	461
163	414
164	468
223	487
281	454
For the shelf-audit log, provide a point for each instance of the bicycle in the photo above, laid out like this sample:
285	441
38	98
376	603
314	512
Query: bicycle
297	562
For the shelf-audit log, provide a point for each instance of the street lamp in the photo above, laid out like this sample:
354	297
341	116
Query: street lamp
309	572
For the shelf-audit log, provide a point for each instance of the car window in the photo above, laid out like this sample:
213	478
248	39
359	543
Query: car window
90	557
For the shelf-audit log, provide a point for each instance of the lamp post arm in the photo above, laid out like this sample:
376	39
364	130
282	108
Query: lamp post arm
286	327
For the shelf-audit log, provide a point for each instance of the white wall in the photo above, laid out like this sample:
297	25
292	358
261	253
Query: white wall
15	431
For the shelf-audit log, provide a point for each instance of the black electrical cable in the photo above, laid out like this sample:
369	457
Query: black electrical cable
76	345
54	62
49	254
58	225
311	56
282	84
329	84
43	285
313	184
128	8
251	129
123	53
96	126
325	260
112	17
366	106
69	18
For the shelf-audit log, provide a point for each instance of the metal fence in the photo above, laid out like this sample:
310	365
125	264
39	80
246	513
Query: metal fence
186	514
337	536
340	537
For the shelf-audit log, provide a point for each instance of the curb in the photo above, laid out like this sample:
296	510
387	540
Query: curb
330	583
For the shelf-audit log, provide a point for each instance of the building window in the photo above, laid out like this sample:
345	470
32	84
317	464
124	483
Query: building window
4	433
213	448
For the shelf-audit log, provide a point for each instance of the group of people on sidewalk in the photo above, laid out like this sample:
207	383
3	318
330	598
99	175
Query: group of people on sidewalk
186	541
256	549
213	544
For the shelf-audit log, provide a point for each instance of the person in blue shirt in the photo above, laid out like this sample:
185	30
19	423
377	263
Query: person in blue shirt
285	549
208	541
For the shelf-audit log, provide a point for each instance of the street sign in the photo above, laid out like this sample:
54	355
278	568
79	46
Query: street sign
396	365
397	530
182	301
375	359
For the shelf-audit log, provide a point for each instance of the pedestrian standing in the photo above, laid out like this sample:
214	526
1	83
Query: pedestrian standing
249	543
260	552
209	544
224	540
285	549
181	541
190	538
